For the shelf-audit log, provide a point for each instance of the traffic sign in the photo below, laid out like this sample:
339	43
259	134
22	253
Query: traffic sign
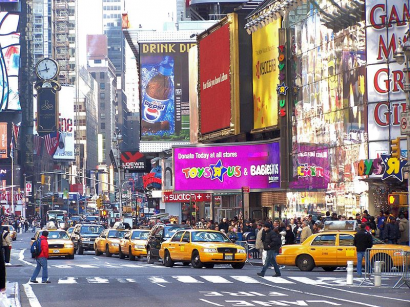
29	187
405	123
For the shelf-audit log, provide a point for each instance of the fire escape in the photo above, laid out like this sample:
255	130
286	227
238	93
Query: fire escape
61	39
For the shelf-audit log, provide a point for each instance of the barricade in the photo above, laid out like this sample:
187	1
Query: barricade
249	250
394	263
406	273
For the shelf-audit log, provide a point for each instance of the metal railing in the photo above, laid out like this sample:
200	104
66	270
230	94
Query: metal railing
251	251
394	263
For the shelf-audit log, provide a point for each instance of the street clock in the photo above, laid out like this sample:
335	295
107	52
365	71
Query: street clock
47	69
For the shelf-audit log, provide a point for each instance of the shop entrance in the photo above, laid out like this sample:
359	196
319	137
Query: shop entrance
221	213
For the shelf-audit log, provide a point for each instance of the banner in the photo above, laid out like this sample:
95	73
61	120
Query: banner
265	44
164	91
228	167
3	141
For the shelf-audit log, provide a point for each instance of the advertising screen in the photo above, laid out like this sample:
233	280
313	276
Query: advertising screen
215	80
164	91
256	166
265	44
65	149
3	141
9	61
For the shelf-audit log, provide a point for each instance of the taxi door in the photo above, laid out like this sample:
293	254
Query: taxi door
323	250
185	247
346	251
125	243
101	241
173	245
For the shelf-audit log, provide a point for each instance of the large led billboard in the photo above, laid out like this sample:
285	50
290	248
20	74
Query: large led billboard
227	167
218	77
265	43
3	141
164	91
9	61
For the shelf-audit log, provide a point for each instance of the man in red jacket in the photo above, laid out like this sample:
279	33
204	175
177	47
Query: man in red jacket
42	260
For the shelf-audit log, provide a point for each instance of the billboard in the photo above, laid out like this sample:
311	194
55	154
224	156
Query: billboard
164	91
134	162
65	149
3	141
9	61
228	167
218	77
265	42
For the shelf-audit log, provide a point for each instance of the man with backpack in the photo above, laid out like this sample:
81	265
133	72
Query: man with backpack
41	259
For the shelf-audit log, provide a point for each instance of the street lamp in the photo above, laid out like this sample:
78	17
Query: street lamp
117	139
402	56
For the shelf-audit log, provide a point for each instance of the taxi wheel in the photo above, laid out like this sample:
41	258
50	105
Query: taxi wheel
97	252
71	256
329	268
238	266
167	260
107	252
149	258
196	260
132	257
209	265
305	263
120	254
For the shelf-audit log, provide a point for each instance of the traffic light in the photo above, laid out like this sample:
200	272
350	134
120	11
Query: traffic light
104	212
395	148
43	179
99	202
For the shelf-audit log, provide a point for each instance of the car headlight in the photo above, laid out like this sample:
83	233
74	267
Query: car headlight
68	245
115	244
86	239
139	246
241	251
210	250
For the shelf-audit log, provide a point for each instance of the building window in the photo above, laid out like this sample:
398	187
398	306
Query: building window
102	95
102	105
97	61
102	126
102	75
102	116
102	86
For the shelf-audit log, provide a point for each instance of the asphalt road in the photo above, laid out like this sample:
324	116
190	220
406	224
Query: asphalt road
100	281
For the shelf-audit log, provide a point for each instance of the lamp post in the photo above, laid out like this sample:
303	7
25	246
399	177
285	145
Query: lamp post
117	139
402	56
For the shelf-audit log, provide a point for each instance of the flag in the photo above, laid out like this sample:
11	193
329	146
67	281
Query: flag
12	147
16	130
51	142
38	140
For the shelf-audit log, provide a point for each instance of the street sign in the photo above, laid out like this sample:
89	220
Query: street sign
29	188
405	123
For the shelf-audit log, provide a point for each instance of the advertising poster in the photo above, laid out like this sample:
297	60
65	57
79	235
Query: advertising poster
206	168
164	91
311	168
265	44
9	61
215	80
65	149
3	141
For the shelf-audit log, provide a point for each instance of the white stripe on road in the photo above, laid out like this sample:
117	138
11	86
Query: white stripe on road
278	280
187	280
62	266
97	280
21	258
216	279
126	280
246	279
32	299
87	266
132	266
68	280
158	280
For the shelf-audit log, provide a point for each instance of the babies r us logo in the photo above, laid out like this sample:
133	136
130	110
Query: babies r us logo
213	171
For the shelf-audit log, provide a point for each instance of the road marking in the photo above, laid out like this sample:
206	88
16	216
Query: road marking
158	280
32	299
187	280
21	258
132	266
216	279
209	302
246	279
278	280
306	280
97	280
68	280
62	266
87	266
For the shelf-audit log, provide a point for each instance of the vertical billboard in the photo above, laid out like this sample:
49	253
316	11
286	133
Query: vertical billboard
65	149
218	77
265	43
3	141
164	91
9	61
227	167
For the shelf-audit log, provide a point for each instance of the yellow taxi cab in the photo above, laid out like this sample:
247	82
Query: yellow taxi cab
203	248
12	231
59	243
109	242
133	244
333	248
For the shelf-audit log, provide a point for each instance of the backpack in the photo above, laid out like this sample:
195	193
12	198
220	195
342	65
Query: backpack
36	248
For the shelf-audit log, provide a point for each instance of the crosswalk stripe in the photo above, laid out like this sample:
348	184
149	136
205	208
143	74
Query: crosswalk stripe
305	280
216	279
187	280
131	266
158	280
97	280
62	266
246	279
68	280
278	280
87	266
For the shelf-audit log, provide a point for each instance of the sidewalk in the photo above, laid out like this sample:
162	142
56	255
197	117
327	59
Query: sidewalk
12	294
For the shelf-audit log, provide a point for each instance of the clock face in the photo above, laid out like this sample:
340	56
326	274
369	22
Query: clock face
47	69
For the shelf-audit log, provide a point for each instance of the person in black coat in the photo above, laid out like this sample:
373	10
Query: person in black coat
2	269
271	244
362	240
224	225
290	236
391	232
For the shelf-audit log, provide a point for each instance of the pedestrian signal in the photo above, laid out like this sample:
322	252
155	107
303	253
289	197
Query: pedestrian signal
397	199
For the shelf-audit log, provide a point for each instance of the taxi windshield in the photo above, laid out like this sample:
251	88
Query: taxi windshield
116	234
57	235
205	236
169	232
140	235
92	229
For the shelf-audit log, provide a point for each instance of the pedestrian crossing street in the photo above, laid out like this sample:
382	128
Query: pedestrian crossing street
210	279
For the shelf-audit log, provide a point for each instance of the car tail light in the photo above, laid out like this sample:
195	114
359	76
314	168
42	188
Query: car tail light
280	250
